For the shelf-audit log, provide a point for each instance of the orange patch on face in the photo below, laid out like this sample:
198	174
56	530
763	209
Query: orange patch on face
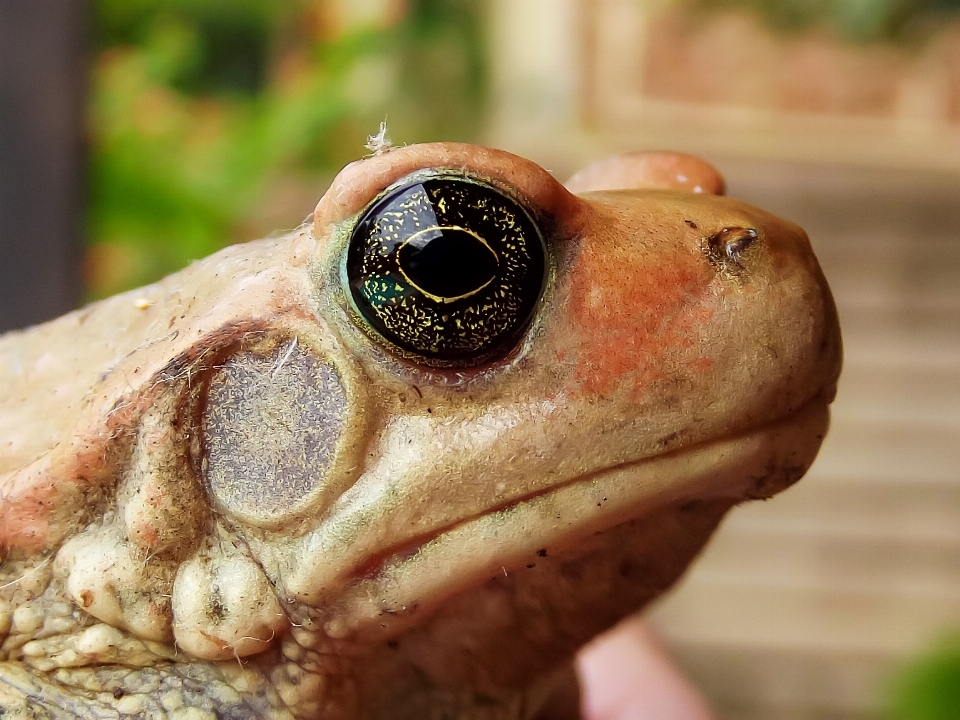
32	500
144	534
633	312
25	519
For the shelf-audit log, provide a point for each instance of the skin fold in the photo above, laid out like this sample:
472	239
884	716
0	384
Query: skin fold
226	495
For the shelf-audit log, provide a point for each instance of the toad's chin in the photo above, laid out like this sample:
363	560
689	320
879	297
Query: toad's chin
513	539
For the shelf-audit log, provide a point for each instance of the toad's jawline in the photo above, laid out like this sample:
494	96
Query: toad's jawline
754	464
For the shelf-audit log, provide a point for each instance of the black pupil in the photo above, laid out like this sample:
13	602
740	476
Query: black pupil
448	263
447	270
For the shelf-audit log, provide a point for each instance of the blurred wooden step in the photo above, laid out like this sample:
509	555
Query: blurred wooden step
885	452
796	685
802	606
894	395
801	557
913	339
803	619
854	510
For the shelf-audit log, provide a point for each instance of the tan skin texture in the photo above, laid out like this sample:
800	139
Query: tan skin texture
175	547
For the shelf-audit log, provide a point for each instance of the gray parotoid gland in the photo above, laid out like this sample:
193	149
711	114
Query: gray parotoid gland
404	461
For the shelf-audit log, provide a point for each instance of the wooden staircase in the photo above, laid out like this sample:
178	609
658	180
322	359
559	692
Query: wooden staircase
806	605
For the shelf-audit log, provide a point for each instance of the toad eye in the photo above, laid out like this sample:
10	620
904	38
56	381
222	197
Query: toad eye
446	270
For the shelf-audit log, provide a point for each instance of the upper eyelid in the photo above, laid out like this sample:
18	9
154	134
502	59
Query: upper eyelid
444	172
360	183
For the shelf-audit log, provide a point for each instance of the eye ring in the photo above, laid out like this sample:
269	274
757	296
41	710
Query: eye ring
445	270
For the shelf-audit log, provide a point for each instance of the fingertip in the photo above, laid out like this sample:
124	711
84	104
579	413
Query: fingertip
627	675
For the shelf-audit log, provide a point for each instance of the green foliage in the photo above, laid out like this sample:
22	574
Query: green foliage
930	688
444	36
217	44
858	20
205	113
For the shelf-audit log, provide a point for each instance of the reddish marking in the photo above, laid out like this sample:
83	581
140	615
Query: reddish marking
25	519
632	310
29	497
145	535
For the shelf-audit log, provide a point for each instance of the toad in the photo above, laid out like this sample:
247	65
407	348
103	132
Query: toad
405	460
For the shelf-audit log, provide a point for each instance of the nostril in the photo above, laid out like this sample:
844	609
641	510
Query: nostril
726	247
735	240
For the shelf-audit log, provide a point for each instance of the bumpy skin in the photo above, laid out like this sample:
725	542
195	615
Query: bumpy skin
174	548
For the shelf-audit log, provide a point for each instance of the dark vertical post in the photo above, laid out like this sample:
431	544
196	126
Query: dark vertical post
42	82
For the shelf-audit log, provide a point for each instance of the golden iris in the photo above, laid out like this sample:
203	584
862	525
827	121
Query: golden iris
446	269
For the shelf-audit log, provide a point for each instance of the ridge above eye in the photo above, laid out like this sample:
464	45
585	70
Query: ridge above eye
445	270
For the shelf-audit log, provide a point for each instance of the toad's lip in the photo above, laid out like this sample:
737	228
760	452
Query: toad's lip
413	580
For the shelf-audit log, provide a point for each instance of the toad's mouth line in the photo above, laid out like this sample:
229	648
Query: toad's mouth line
418	577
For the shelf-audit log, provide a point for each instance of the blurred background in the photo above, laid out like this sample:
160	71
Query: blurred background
138	135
